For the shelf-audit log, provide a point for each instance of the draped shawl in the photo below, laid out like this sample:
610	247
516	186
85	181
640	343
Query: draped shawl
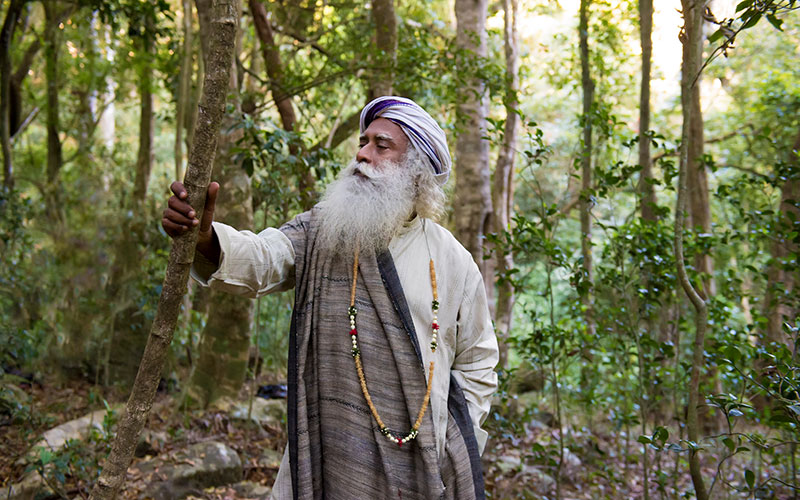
336	450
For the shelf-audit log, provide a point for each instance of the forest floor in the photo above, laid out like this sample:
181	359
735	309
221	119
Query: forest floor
519	464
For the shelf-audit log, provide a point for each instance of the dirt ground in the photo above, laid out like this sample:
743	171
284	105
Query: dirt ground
517	465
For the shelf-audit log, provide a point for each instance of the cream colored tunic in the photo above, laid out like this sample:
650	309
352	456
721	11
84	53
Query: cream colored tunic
256	264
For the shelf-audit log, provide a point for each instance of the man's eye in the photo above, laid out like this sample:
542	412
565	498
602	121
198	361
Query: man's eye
381	146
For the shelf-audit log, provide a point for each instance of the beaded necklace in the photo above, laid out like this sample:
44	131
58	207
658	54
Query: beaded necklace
352	312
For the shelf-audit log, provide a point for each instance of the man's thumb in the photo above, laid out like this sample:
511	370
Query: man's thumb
208	210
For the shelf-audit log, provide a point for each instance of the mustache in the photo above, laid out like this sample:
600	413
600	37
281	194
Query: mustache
366	170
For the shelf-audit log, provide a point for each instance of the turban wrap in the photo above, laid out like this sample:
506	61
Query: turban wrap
425	134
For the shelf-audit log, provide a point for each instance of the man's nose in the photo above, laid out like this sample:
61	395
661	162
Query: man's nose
364	154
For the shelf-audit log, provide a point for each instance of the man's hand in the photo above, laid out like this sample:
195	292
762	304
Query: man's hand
179	217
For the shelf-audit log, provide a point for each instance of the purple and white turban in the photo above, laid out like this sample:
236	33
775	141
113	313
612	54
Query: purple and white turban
425	134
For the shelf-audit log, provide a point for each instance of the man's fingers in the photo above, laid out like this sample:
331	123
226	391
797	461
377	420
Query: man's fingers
208	210
178	189
172	228
178	218
180	207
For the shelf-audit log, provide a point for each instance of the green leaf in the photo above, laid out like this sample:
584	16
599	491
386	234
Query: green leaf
743	5
749	478
728	442
735	413
715	36
644	440
775	21
752	21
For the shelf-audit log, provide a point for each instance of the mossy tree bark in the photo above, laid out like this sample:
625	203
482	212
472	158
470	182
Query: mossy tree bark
54	154
473	199
225	340
381	79
225	21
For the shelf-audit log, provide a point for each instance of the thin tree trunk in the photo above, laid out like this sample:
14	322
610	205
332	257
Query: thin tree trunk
690	36
585	199
184	87
226	18
503	186
782	274
283	101
473	202
144	160
385	21
587	84
225	340
646	189
699	207
6	35
647	200
54	154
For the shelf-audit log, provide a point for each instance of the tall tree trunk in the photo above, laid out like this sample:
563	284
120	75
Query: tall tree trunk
382	76
54	154
225	340
587	84
283	101
699	207
225	22
782	272
647	191
647	203
503	185
473	202
183	98
144	159
692	40
6	35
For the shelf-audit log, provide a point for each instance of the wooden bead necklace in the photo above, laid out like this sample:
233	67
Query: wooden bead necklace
352	312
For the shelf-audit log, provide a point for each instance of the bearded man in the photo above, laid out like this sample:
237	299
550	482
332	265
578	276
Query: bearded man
391	351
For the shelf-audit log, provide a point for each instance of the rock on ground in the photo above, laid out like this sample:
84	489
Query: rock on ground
80	428
201	466
31	487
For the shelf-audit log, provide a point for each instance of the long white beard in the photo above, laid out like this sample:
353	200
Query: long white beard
366	212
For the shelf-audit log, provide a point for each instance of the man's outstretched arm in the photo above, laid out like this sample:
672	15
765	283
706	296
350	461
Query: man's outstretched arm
236	262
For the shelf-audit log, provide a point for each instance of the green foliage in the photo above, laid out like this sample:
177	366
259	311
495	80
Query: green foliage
77	462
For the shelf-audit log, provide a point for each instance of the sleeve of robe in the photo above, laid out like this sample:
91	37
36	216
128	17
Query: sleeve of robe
476	354
251	265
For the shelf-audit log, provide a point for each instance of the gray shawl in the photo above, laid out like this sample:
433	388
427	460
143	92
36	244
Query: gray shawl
336	450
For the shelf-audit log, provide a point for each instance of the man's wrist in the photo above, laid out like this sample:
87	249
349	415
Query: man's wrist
208	245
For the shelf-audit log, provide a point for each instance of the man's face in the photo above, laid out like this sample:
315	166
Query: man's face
382	141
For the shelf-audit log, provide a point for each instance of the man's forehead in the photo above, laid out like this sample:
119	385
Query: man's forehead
381	128
380	136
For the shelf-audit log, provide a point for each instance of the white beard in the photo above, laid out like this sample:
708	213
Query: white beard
366	212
